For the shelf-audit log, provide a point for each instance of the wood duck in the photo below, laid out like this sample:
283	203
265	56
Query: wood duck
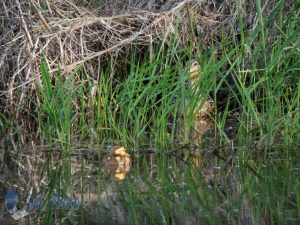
118	163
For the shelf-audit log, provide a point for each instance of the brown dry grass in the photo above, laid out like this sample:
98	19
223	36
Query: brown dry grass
69	34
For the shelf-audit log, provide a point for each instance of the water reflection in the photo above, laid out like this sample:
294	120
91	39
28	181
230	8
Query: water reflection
46	171
95	177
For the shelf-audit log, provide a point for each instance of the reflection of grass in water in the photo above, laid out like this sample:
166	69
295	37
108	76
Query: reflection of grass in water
178	194
258	70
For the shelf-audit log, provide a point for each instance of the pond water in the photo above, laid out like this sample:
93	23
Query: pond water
87	184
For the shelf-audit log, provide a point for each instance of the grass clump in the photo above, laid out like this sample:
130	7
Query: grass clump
252	76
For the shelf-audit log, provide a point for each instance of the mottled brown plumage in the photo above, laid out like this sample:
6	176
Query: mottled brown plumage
201	123
204	106
118	163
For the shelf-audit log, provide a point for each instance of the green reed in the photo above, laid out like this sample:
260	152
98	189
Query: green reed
253	77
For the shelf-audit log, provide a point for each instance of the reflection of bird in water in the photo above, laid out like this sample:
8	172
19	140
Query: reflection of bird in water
201	109
118	163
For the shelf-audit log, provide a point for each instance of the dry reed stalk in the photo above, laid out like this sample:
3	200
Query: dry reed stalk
67	34
70	34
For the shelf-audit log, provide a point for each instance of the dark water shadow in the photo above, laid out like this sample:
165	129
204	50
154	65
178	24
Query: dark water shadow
99	179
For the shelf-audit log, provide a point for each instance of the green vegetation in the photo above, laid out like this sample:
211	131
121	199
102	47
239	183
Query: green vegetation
253	77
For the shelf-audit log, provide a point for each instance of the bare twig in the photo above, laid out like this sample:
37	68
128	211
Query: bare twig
69	34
